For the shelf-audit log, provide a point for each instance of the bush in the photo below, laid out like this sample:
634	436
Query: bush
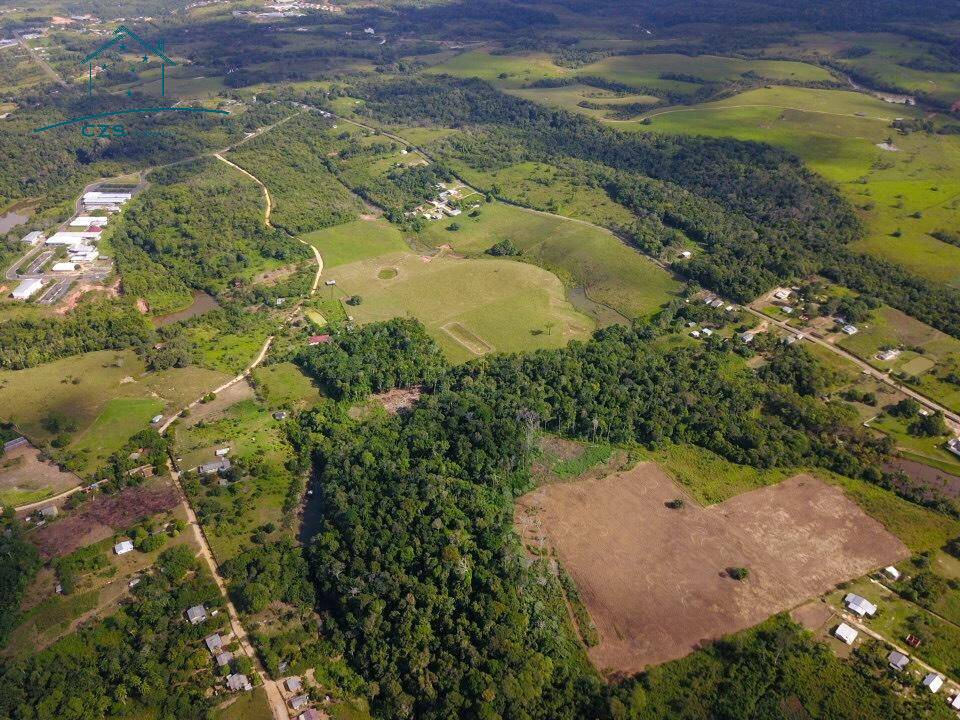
504	248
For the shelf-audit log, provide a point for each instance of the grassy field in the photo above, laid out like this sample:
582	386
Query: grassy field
570	97
505	70
79	388
891	328
509	306
113	427
248	706
354	241
710	478
284	385
903	195
583	256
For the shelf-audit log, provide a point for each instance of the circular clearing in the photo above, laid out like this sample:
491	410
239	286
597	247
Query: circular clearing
387	273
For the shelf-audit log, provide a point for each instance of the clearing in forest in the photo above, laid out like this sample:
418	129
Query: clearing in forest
656	580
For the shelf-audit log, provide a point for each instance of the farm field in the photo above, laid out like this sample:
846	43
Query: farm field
655	579
469	306
928	450
284	385
610	272
570	97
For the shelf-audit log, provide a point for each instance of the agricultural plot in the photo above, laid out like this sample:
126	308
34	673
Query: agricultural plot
610	272
585	99
656	580
284	385
927	450
504	305
25	477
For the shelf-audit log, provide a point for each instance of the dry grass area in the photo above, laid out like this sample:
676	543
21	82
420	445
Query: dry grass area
23	475
655	580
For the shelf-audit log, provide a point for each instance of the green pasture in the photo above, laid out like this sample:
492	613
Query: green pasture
284	385
121	418
469	306
582	255
570	97
514	70
355	241
927	450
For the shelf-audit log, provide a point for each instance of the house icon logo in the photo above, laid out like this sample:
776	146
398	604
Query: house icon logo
125	40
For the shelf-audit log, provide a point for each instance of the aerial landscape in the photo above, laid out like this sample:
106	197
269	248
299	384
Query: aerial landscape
502	359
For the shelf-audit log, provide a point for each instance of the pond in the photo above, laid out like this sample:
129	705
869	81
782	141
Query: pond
201	303
16	214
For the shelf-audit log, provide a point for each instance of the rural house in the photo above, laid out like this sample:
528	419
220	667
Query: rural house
898	661
197	614
892	572
846	633
933	682
224	658
310	714
238	682
293	684
299	701
859	605
217	466
214	642
122	548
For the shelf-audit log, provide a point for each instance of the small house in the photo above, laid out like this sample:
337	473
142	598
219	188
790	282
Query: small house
933	682
293	684
718	303
846	633
747	337
695	333
122	548
156	419
49	512
318	340
954	446
686	254
224	658
197	614
892	572
216	466
781	293
280	415
898	661
310	714
238	682
955	702
859	605
850	329
330	282
221	452
912	640
214	642
706	332
300	701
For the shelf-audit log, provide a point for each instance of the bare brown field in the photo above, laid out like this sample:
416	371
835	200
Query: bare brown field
655	579
22	470
101	516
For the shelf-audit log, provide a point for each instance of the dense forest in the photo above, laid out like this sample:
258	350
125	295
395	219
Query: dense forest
784	221
20	563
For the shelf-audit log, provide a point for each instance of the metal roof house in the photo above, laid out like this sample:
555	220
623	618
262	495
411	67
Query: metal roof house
122	548
224	658
238	682
846	633
26	288
214	642
293	684
310	714
892	572
898	661
197	614
299	701
217	466
933	682
859	605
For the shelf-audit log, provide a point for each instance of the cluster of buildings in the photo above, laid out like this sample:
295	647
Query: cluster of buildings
439	207
299	700
236	682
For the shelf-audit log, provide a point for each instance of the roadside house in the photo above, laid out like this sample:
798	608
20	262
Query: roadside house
214	642
859	605
846	633
898	661
122	548
933	682
238	682
197	614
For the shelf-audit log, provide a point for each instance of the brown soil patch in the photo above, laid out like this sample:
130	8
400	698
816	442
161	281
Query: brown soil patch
142	306
931	479
813	616
393	401
101	516
23	469
81	289
241	390
655	580
272	277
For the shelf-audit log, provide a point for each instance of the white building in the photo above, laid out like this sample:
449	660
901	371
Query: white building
33	238
122	548
88	220
859	605
686	254
933	682
781	293
96	198
64	267
892	572
26	288
846	633
955	702
850	329
73	238
954	446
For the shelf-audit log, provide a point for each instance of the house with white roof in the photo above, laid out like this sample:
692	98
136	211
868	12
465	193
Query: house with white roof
846	633
898	661
122	548
892	572
933	682
26	288
859	605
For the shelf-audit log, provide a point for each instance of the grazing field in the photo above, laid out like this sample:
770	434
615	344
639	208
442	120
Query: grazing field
120	419
79	388
26	478
245	427
928	450
656	580
505	305
506	70
574	98
285	385
357	240
610	272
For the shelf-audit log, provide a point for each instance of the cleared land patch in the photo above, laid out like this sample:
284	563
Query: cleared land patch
654	579
25	477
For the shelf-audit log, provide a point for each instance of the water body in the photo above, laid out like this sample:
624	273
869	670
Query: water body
603	314
201	303
16	214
